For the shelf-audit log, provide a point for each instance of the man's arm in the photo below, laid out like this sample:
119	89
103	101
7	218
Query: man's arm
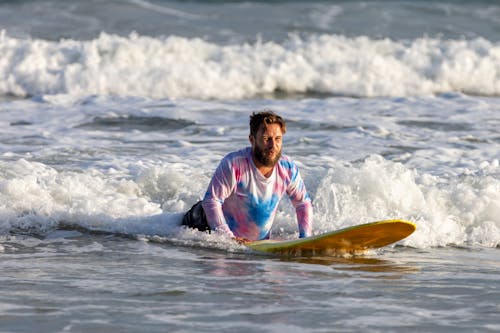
221	186
302	202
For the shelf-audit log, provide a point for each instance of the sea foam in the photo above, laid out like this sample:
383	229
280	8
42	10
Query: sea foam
459	211
177	67
452	210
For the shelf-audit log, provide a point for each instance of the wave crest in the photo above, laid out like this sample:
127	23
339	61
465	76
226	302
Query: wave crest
176	67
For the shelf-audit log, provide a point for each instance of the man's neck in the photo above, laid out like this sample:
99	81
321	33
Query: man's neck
266	171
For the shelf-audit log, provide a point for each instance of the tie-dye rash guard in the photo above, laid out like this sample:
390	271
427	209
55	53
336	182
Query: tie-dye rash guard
241	202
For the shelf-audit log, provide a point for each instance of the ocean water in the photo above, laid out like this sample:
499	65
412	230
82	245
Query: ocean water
114	115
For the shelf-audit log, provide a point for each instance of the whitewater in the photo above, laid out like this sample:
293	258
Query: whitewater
178	67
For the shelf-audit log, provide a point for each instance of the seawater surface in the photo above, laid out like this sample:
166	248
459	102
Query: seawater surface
114	115
117	285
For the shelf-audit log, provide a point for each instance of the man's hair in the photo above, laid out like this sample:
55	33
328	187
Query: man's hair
266	117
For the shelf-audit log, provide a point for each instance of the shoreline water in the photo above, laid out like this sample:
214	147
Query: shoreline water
183	288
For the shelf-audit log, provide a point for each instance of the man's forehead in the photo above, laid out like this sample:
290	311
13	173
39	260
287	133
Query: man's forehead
270	129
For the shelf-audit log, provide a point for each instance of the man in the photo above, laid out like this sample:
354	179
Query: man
242	198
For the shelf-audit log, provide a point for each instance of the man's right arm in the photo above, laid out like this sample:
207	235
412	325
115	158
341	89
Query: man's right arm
221	186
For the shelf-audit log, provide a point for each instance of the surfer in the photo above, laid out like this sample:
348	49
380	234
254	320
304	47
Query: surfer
242	198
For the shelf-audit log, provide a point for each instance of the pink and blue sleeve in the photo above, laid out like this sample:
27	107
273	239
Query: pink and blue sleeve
301	201
220	187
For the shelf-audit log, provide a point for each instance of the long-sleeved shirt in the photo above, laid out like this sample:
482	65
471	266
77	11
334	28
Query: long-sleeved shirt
241	202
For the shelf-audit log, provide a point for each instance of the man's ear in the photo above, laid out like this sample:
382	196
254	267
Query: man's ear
251	138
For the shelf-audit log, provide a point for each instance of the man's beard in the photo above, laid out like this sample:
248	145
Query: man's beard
263	159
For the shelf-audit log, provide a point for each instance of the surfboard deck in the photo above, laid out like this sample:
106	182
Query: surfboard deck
354	239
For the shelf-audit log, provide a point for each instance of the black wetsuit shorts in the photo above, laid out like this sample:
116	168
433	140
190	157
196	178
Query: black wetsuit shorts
195	218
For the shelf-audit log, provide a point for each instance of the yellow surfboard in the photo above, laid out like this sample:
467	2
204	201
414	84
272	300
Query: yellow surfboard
354	239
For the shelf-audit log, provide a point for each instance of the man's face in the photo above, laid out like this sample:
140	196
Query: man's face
266	144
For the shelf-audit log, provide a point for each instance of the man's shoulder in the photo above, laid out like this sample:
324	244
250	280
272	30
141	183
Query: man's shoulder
237	155
288	169
286	162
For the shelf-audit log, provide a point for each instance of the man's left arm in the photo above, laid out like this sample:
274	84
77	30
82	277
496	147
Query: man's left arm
302	202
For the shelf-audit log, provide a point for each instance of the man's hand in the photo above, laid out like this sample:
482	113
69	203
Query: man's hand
241	240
